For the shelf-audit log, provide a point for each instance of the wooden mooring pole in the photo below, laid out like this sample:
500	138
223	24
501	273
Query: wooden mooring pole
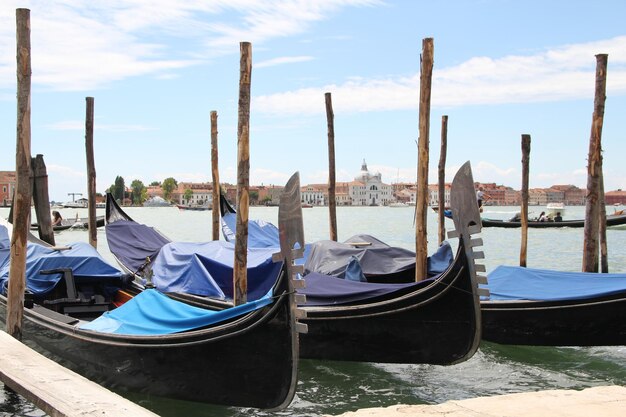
594	171
421	204
21	204
332	202
215	174
41	199
240	273
91	173
524	208
441	191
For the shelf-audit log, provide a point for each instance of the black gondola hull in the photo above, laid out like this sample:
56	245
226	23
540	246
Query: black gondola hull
593	322
438	324
249	362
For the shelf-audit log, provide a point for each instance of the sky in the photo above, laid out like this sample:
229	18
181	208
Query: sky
157	68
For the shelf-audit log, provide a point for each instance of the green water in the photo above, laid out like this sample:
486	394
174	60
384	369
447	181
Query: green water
336	387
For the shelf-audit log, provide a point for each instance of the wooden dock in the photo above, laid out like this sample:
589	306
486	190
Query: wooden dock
609	401
55	389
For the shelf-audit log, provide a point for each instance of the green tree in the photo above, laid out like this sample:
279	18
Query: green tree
118	189
169	185
138	191
188	195
254	197
155	183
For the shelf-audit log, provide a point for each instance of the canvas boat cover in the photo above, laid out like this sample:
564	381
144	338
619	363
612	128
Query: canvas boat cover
517	283
204	269
375	257
261	234
152	313
82	258
324	290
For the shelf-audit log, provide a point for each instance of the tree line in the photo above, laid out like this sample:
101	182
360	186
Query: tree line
138	191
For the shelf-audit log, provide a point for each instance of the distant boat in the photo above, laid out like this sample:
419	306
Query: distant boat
193	207
553	208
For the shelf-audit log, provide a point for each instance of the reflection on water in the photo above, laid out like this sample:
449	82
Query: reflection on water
336	387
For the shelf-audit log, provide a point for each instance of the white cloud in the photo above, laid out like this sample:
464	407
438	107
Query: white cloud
80	45
567	72
283	60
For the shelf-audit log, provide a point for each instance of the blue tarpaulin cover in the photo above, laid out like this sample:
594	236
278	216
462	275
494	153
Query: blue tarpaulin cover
517	283
261	234
204	269
324	290
82	258
152	313
207	269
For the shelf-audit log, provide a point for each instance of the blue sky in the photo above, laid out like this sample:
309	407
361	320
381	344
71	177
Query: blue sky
157	68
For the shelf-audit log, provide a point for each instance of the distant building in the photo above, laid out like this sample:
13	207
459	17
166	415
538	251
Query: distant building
615	197
202	193
369	190
8	181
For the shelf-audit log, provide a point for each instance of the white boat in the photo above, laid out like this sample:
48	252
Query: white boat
553	208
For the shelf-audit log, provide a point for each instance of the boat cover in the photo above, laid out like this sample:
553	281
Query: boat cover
152	313
324	290
206	269
132	243
261	234
375	257
82	258
517	283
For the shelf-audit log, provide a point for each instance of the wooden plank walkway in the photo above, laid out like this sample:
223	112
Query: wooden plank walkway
607	401
55	389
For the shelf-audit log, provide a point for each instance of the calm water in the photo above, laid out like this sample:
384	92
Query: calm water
335	387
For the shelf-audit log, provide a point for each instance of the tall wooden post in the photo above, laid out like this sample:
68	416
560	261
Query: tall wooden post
604	255
91	172
594	169
21	203
524	208
442	178
41	199
216	178
421	205
243	176
332	202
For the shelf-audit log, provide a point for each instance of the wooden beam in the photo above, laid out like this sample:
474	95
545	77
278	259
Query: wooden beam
421	204
524	208
332	202
21	204
216	178
442	179
240	272
91	173
594	170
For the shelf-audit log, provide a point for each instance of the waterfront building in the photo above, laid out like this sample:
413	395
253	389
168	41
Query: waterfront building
202	193
369	190
8	181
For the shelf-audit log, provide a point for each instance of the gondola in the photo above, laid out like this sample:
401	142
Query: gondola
78	223
192	208
554	308
434	321
245	355
611	220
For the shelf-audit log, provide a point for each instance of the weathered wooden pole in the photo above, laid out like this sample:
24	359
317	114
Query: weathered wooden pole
524	208
421	204
243	176
21	204
332	202
216	178
594	169
442	178
604	256
91	173
41	199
